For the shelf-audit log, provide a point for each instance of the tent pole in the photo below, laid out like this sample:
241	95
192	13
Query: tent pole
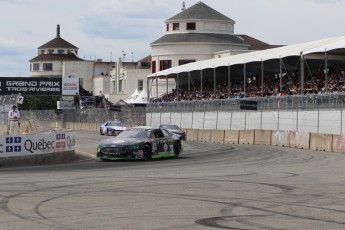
177	91
244	79
302	73
188	86
201	83
281	73
326	71
148	90
167	84
262	78
229	81
214	83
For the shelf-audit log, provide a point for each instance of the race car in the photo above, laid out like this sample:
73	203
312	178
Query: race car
111	128
174	129
142	142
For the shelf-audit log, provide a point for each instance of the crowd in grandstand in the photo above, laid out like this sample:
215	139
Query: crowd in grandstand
313	84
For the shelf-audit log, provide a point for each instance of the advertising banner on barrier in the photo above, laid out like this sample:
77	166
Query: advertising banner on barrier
42	86
32	144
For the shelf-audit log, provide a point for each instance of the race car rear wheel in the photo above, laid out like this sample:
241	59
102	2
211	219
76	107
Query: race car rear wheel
147	152
176	150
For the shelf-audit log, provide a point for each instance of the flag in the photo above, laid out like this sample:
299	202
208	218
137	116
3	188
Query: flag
20	99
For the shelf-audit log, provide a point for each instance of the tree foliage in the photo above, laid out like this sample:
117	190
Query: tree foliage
39	102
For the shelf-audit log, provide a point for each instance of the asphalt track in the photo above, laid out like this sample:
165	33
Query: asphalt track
211	186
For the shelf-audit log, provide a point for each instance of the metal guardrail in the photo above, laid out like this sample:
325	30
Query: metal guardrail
129	116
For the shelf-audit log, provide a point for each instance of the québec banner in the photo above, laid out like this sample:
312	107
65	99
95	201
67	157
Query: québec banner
32	144
41	86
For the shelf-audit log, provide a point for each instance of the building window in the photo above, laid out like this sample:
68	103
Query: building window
36	67
153	66
167	27
113	86
50	51
120	85
176	26
47	66
164	64
42	51
186	61
61	51
191	26
140	84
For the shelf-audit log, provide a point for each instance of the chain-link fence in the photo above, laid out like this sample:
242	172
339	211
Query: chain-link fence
130	116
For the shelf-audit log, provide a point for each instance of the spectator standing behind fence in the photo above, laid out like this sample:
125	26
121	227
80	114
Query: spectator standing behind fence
101	96
77	100
13	120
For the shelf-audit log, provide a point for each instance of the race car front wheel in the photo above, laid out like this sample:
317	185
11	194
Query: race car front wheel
147	152
176	150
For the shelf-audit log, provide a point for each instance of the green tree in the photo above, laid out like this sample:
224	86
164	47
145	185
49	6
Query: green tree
39	102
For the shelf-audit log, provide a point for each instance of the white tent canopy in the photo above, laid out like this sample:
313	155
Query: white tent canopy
137	97
319	46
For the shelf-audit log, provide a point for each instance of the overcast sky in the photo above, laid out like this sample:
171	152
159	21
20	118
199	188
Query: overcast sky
102	29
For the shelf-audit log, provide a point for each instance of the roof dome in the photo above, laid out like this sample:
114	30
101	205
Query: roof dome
199	11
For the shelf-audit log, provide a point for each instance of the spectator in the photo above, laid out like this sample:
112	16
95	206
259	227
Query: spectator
13	120
77	100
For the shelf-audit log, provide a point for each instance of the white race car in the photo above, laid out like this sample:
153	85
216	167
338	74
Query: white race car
111	128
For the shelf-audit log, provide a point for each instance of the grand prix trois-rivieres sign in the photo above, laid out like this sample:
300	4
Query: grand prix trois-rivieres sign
39	86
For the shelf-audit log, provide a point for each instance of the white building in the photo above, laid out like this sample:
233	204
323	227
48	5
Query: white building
59	58
195	34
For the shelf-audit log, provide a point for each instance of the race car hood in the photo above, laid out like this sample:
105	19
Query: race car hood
121	142
117	127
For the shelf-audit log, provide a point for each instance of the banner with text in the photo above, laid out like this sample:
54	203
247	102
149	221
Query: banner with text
39	86
32	144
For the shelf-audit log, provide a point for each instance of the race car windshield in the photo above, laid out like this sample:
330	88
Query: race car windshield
175	127
115	124
135	133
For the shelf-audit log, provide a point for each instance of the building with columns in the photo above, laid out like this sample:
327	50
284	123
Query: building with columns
195	34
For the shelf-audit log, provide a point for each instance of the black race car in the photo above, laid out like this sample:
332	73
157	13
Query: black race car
143	142
174	129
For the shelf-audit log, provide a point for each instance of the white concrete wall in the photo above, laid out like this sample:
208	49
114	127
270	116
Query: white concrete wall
323	121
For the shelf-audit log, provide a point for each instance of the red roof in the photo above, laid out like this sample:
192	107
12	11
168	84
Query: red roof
56	57
58	42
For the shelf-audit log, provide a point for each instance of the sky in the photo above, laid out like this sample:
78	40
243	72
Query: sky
105	29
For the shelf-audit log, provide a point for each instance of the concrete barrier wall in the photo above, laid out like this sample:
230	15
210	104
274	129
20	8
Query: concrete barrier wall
53	147
262	137
85	127
338	144
217	136
321	142
280	138
246	137
231	136
300	140
204	135
192	134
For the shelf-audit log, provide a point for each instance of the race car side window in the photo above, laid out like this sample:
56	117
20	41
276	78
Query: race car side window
158	133
165	132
